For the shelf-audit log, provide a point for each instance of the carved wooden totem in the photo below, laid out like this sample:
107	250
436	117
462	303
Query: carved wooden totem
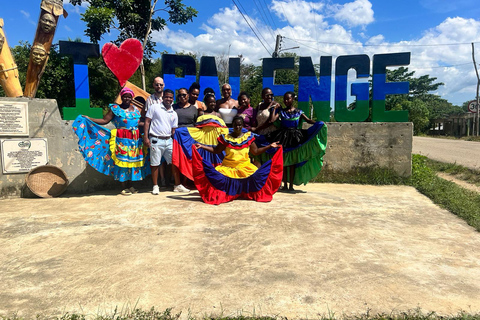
8	68
47	24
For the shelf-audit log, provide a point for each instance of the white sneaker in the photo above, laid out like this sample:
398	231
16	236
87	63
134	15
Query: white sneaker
180	188
155	190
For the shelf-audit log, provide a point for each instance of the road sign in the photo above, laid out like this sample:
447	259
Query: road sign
472	106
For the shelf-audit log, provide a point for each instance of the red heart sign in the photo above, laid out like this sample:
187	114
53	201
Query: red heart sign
123	61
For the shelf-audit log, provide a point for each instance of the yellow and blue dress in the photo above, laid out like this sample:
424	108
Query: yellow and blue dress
119	152
236	177
206	131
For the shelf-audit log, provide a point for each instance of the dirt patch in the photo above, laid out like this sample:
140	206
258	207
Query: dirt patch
461	183
336	248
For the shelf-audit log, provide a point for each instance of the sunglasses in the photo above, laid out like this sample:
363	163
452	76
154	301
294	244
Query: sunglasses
182	95
269	95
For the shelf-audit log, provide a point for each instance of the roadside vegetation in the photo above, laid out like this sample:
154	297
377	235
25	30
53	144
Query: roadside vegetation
152	314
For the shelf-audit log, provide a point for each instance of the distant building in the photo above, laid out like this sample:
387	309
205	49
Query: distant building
458	125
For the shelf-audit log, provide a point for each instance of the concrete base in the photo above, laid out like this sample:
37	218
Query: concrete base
350	146
45	121
369	145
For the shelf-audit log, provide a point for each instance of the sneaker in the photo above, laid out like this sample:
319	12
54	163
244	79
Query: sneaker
180	188
126	192
133	190
155	190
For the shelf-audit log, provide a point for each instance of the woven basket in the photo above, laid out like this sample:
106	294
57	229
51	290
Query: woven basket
47	181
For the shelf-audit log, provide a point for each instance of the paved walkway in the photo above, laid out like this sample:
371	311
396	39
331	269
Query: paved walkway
336	248
465	153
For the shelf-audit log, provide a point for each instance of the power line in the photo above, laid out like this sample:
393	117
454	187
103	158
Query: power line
251	27
383	45
270	13
264	17
253	22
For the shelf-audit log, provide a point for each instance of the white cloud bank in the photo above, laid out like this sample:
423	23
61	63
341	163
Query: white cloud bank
323	28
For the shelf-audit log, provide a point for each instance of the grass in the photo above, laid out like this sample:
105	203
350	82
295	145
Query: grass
459	201
458	171
152	314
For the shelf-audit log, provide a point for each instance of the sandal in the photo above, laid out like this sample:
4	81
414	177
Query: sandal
133	190
126	192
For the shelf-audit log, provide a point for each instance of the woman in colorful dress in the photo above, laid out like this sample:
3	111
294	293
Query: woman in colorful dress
208	128
303	149
237	177
119	152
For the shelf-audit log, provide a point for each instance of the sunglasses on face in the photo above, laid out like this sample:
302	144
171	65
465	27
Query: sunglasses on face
182	95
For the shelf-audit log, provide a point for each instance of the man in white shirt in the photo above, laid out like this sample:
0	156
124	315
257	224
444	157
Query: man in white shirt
160	124
156	97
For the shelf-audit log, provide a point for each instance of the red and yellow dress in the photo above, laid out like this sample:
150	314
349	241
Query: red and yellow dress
237	177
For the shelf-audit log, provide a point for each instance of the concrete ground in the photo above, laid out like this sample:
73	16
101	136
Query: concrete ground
335	248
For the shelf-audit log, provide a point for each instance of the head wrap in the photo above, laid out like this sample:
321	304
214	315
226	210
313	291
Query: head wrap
127	90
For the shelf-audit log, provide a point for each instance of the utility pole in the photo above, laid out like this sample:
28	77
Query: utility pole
478	85
277	46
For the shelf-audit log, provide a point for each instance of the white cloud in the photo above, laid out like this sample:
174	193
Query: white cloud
25	14
324	29
356	13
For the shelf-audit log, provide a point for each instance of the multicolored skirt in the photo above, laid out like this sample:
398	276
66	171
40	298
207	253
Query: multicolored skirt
206	131
119	153
303	149
216	188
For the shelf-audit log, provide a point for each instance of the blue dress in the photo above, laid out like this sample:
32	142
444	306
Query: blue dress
119	152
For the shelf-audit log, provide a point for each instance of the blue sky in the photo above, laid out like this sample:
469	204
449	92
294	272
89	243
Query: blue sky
423	27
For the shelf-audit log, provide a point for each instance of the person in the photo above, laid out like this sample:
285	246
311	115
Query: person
237	177
156	98
193	93
246	111
264	112
160	123
227	105
302	148
187	113
210	103
120	152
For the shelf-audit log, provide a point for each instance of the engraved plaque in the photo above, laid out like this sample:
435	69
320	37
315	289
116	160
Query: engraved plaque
13	118
22	155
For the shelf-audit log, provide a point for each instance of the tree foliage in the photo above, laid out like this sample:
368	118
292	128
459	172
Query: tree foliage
422	104
57	81
132	19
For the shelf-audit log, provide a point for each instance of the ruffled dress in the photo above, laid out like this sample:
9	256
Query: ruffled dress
119	152
206	131
237	177
303	148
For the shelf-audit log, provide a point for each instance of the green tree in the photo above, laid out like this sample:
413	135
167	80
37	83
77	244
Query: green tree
58	82
133	19
423	106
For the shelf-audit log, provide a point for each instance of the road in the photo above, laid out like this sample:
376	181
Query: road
465	153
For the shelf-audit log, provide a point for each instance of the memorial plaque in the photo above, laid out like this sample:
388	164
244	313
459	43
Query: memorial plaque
22	155
13	118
